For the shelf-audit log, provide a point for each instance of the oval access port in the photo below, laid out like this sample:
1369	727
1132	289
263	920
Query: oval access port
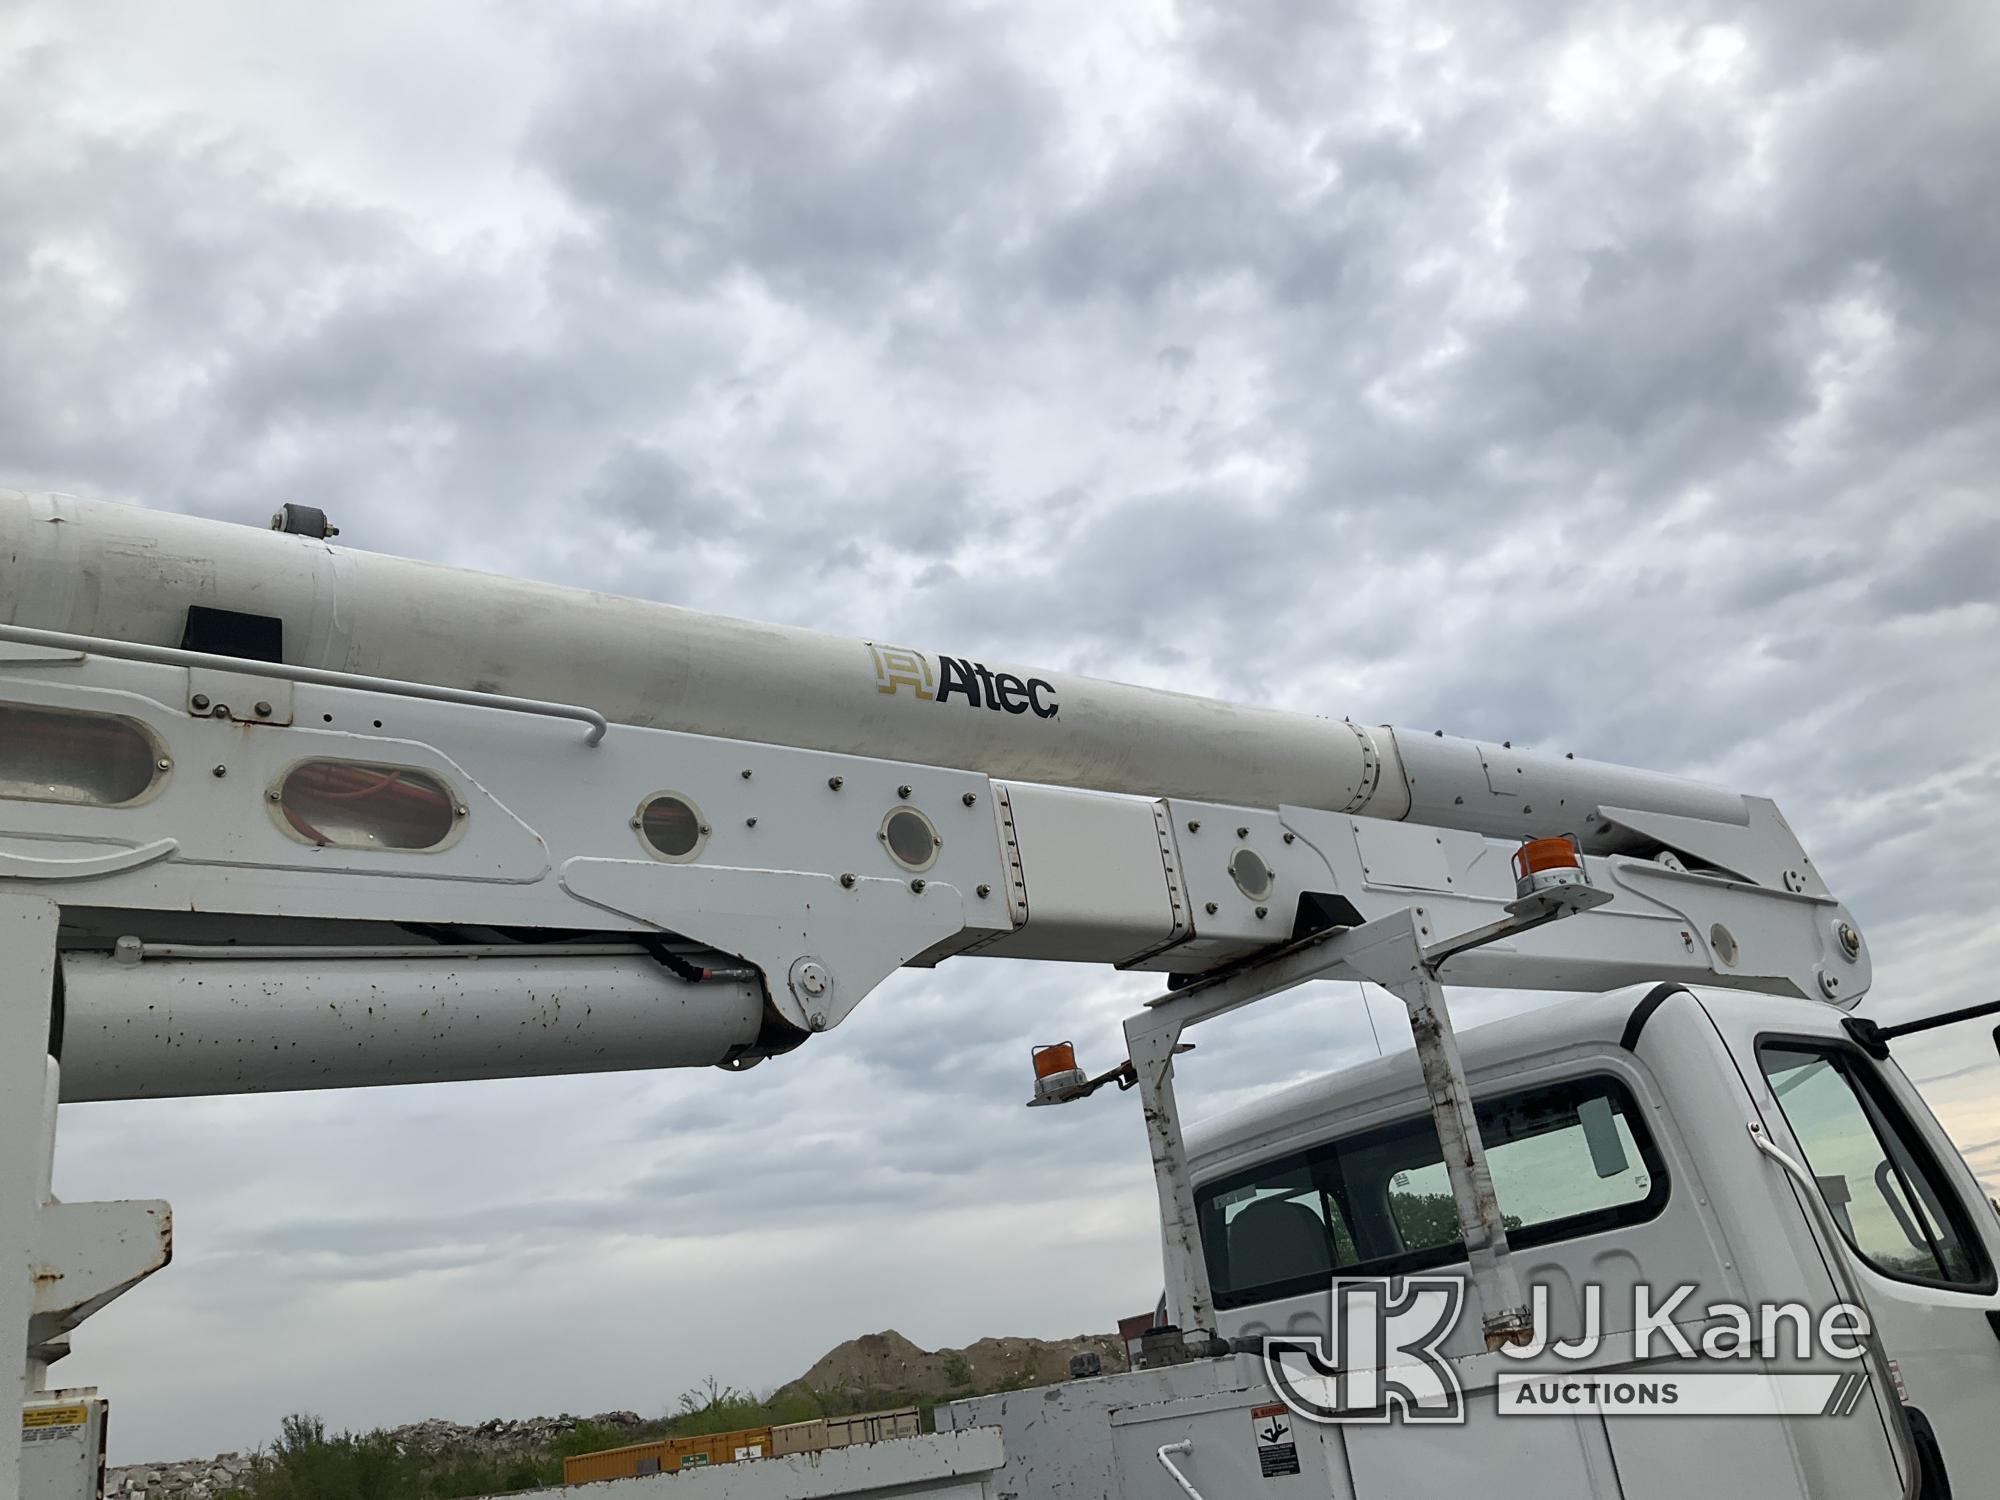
348	804
62	755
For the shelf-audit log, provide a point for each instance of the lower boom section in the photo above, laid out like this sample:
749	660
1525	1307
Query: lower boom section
167	1027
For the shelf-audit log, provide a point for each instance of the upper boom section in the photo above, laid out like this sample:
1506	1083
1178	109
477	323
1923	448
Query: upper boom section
124	573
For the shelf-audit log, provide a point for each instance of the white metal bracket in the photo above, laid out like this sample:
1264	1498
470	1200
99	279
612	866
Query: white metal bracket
822	941
1402	954
241	694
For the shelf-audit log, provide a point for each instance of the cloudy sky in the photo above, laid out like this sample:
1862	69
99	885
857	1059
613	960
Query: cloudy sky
1615	379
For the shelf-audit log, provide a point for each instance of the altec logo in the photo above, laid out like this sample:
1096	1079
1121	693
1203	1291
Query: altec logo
898	667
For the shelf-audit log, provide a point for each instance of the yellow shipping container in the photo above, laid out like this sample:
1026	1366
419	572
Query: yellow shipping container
615	1463
718	1448
669	1455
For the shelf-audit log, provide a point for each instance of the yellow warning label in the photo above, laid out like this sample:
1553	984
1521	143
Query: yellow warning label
54	1416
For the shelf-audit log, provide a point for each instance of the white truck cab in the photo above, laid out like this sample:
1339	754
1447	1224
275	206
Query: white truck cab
1617	1130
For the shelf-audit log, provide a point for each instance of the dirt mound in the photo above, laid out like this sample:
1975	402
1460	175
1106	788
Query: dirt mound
887	1361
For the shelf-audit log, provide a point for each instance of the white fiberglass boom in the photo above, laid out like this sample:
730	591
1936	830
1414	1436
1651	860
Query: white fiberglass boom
118	572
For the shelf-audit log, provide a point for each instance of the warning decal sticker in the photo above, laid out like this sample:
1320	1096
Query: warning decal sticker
34	1417
1277	1450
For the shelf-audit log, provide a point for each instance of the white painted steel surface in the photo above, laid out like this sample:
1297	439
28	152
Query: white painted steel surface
794	869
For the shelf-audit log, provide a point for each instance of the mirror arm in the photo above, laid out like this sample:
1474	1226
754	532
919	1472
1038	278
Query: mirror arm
1874	1039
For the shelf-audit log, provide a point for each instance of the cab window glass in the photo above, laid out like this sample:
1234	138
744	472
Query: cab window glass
1567	1159
1285	1224
1880	1182
1547	1164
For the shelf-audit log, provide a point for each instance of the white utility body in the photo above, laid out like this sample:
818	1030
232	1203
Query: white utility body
279	815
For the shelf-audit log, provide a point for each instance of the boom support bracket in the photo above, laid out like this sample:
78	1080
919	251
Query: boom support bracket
1402	954
59	1262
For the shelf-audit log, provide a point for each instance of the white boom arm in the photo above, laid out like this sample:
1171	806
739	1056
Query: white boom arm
793	751
279	815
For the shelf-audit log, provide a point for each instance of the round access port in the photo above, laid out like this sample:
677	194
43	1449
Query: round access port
1251	874
910	839
671	827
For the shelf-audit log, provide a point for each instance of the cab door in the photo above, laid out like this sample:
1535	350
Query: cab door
1922	1237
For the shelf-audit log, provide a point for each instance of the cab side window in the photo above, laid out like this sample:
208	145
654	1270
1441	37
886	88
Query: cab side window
1283	1226
1568	1158
1878	1178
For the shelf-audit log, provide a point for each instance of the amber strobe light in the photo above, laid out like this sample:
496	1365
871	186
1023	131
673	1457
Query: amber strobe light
1055	1069
1541	863
1056	1057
